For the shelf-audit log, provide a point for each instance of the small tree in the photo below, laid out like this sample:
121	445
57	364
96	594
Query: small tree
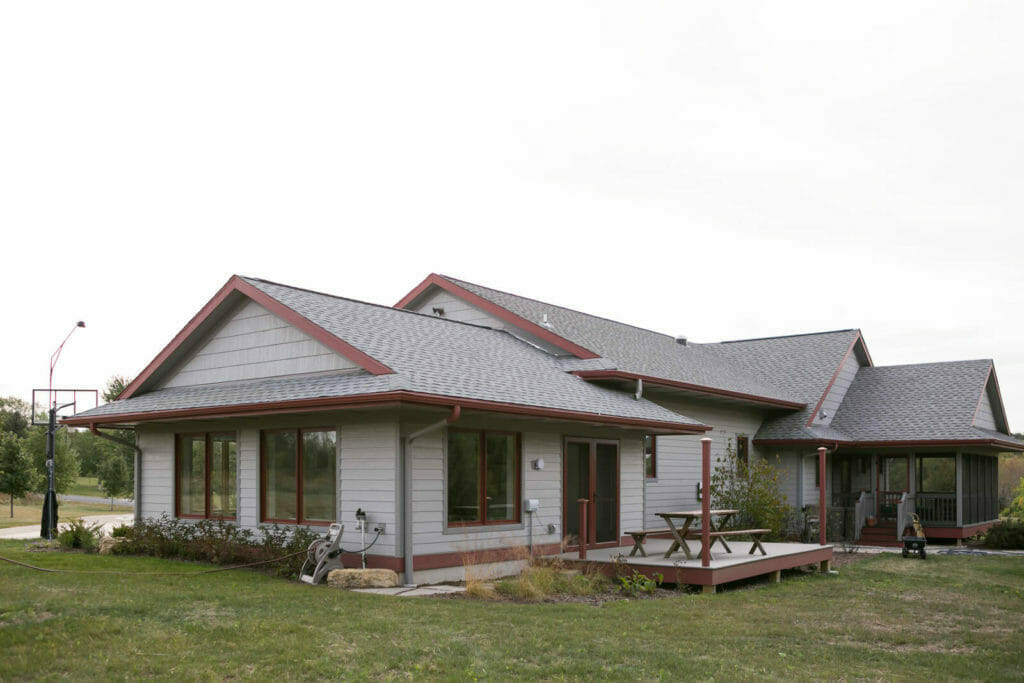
752	488
1016	506
114	477
65	459
17	474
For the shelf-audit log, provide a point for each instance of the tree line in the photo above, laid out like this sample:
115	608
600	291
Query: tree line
77	452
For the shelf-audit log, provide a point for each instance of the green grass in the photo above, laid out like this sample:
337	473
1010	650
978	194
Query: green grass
883	617
31	512
85	486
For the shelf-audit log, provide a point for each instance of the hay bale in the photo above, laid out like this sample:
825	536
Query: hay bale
362	578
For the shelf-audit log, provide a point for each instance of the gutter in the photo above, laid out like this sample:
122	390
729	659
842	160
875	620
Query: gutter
138	467
405	465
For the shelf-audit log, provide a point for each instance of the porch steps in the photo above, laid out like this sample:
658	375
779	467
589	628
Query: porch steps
883	535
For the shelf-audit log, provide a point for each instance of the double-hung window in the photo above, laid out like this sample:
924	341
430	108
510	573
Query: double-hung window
298	476
205	471
483	473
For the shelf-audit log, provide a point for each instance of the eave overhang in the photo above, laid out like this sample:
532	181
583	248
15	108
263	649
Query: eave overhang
391	398
597	375
912	443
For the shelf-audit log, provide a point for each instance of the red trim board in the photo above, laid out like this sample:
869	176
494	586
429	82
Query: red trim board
237	284
435	280
879	444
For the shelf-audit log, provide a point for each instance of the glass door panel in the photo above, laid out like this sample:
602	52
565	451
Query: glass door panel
577	485
606	494
893	482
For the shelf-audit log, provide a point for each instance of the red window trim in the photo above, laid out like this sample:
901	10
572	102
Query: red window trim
207	440
654	457
482	500
299	520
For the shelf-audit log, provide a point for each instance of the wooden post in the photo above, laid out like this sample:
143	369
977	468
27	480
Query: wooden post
822	512
584	527
705	503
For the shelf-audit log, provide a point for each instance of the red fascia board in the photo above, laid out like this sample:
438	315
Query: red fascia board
881	444
435	280
379	400
618	374
835	376
237	284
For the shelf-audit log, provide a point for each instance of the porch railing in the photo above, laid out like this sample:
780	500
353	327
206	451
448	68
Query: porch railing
937	509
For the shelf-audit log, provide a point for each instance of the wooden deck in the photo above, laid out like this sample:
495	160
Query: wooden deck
725	567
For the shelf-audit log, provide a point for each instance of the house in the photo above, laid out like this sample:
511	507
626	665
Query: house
466	423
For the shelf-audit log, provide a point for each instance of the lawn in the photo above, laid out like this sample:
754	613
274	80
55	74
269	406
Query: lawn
31	512
85	486
882	617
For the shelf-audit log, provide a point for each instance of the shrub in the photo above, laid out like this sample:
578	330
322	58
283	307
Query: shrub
1007	535
753	489
79	535
636	583
120	531
1015	508
219	542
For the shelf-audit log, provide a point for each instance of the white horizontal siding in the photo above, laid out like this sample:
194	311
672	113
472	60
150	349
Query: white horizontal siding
157	472
679	457
253	343
368	480
430	535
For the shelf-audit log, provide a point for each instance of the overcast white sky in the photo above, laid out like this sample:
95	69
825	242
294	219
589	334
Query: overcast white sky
717	171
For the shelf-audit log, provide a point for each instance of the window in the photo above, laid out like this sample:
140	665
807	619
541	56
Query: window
205	469
299	469
483	478
650	457
742	453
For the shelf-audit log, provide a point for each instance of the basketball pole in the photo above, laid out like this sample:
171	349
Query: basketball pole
50	504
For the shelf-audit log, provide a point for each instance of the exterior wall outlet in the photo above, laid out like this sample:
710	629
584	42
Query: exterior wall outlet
380	527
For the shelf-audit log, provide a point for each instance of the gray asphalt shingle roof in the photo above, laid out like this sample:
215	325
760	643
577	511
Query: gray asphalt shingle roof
636	350
429	355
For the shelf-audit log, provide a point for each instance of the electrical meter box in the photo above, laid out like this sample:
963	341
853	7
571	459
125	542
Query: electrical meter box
532	505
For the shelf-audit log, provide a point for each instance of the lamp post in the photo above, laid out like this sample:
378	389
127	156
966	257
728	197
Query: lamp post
49	521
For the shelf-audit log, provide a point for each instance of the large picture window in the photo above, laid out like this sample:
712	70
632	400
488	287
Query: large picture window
483	478
205	475
299	476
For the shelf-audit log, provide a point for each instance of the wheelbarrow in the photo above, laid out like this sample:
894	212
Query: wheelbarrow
915	543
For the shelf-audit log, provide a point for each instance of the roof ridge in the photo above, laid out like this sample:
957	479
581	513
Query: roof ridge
935	362
369	303
547	303
789	336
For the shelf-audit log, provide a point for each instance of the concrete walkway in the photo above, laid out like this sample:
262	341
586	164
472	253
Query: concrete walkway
92	499
413	591
32	532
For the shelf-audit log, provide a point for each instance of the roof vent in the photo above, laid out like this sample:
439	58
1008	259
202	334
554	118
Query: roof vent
681	340
438	311
547	324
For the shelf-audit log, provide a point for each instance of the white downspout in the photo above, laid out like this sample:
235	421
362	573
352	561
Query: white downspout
407	482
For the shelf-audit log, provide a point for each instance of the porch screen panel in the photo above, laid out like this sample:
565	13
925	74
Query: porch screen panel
191	475
223	475
502	469
279	475
464	477
319	469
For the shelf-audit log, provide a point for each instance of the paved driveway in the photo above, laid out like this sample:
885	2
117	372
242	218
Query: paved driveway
32	532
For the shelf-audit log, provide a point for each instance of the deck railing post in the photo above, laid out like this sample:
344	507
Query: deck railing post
705	503
584	527
822	512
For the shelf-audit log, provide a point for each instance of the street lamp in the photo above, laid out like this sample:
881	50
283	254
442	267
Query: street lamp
49	521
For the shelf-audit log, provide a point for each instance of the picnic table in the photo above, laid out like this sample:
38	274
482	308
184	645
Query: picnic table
688	517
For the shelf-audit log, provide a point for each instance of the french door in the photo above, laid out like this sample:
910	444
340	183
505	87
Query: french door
591	472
